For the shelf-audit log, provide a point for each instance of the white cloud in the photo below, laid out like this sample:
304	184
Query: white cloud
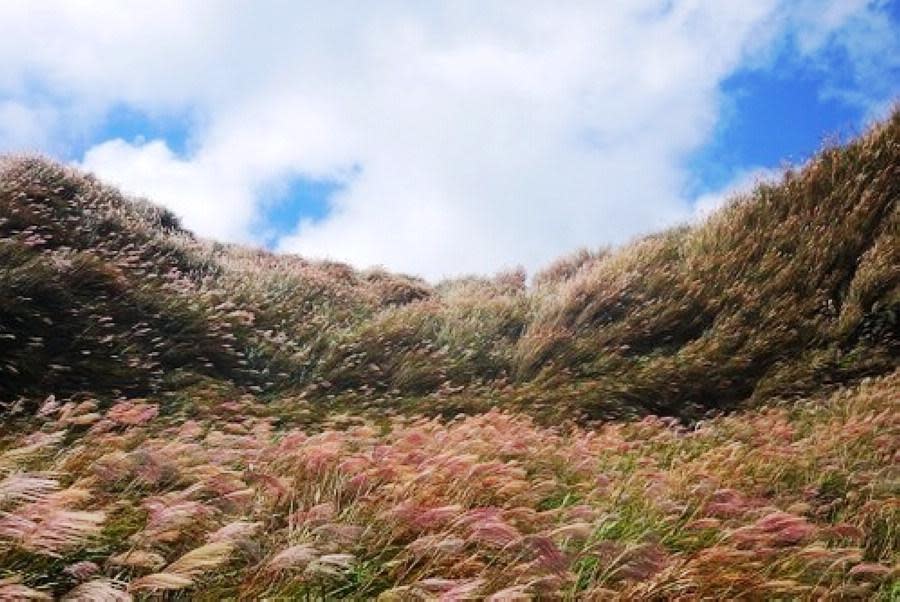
865	36
206	195
469	136
26	128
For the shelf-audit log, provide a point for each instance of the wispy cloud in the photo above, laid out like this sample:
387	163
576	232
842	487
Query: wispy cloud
465	136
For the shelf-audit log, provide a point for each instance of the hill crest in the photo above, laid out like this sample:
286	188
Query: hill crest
784	290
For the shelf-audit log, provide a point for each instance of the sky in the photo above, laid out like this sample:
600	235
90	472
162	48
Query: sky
441	138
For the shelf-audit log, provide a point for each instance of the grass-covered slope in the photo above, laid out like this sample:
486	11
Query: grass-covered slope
108	295
183	419
787	289
790	287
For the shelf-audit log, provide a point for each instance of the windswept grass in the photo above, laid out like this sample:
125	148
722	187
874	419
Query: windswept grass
707	413
796	500
786	290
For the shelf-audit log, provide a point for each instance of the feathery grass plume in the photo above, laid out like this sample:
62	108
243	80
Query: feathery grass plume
60	530
160	582
140	559
436	544
330	565
548	555
199	560
169	520
295	557
46	528
512	593
132	412
577	531
12	589
449	589
35	445
775	529
338	534
871	571
50	406
19	487
235	531
184	572
98	590
82	570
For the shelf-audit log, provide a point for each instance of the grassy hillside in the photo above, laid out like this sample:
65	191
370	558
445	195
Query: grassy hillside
790	288
707	412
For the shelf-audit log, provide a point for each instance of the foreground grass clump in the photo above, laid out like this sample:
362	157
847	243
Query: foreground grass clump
227	497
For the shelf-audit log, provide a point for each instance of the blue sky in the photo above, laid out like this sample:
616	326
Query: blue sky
133	125
770	118
443	140
300	199
782	113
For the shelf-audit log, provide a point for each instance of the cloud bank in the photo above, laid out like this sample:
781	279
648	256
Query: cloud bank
467	136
